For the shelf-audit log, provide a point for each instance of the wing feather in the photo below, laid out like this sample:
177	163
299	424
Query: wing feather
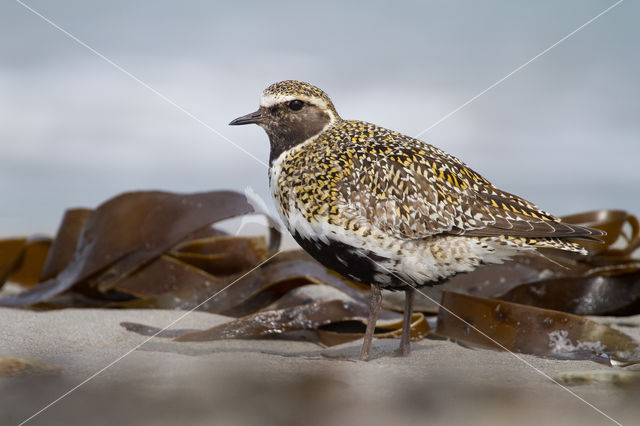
414	190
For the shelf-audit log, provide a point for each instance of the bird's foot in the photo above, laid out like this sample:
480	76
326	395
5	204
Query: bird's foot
365	354
404	349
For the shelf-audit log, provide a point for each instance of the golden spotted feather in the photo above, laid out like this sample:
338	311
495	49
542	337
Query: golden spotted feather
360	176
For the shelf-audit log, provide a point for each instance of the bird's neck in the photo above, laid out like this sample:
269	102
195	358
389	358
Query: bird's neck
286	136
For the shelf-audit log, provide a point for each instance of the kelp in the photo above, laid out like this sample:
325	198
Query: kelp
164	250
22	258
335	317
312	307
65	243
526	329
604	282
125	233
222	255
591	295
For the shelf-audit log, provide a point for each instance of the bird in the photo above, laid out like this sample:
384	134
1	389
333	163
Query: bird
388	210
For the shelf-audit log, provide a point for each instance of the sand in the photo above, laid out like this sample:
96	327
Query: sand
281	382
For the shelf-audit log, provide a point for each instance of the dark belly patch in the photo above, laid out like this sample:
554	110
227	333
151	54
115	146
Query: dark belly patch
355	264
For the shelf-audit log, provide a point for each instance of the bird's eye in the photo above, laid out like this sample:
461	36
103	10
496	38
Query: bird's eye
296	105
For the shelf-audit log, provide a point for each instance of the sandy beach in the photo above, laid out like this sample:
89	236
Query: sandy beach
276	381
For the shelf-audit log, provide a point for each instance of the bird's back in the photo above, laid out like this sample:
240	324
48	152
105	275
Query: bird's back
360	176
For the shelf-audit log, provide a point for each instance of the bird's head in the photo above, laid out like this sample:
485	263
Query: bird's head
291	112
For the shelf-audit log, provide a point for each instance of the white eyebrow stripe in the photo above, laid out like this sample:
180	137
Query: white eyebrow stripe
269	99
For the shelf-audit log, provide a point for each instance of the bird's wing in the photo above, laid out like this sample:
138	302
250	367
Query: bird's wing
413	190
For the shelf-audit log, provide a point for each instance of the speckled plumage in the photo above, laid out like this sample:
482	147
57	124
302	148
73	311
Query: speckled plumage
391	196
386	209
297	89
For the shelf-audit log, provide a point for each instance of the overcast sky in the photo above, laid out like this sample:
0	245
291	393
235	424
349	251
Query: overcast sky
563	132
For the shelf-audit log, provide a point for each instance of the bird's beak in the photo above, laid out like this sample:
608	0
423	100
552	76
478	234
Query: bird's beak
252	118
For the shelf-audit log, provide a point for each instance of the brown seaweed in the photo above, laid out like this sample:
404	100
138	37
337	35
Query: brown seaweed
65	242
605	282
126	232
21	259
526	329
591	295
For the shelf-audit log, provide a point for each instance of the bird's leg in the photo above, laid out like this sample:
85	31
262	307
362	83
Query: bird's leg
374	308
405	339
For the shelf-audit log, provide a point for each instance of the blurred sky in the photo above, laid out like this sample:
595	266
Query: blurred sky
563	132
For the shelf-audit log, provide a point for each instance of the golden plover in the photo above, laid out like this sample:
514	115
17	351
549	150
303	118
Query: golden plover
385	209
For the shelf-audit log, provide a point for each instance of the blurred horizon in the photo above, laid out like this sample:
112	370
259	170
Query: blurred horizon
562	132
